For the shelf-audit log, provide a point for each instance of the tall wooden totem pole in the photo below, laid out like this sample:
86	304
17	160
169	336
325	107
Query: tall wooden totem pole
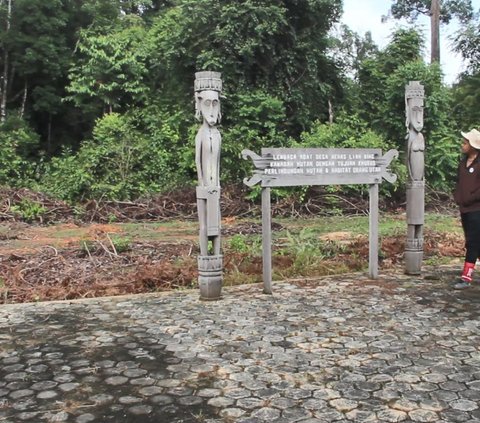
208	86
414	96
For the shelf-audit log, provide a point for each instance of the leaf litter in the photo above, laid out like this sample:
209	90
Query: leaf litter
95	266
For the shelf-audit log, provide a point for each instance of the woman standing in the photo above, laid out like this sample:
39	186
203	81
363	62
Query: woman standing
467	196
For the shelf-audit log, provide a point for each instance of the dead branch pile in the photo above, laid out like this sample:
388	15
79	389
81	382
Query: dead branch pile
95	270
19	205
14	205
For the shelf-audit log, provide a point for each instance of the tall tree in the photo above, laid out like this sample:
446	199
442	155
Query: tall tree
439	12
377	101
435	31
6	8
110	67
467	43
278	46
350	49
467	91
382	81
467	101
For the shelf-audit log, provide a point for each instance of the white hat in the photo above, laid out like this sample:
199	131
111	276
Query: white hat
473	137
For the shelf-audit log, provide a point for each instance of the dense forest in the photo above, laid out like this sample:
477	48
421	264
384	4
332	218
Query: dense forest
96	96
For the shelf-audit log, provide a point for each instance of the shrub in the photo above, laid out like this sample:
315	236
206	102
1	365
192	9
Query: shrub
351	132
29	210
256	122
17	141
119	163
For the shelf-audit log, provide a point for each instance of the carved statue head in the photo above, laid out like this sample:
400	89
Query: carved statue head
208	86
208	107
414	95
416	113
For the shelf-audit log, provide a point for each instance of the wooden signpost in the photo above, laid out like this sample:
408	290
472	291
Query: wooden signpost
283	167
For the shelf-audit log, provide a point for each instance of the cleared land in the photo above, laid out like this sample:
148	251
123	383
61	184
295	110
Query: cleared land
69	260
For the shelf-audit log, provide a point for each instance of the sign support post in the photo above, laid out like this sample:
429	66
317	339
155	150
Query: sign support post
373	232
267	240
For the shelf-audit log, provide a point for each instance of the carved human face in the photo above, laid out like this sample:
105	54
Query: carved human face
209	106
416	113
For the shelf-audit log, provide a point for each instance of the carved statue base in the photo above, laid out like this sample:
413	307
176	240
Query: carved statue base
413	256
413	262
210	277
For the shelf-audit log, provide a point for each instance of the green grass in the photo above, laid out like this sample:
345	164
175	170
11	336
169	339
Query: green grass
155	231
4	231
300	240
441	223
388	225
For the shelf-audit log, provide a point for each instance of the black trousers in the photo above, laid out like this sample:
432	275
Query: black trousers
471	228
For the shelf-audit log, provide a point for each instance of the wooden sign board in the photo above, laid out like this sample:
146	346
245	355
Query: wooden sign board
283	167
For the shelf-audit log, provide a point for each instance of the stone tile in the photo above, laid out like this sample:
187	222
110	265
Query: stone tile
333	350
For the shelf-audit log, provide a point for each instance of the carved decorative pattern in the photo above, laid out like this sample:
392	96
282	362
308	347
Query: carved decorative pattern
208	81
414	90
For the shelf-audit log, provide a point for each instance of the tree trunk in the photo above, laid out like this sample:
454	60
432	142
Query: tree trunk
4	87
24	99
330	112
435	31
49	137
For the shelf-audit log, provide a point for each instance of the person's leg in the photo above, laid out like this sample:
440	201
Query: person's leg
472	236
471	228
463	219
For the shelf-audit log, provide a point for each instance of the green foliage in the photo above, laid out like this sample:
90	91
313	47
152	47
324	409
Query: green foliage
350	49
467	43
442	159
38	51
284	72
111	66
466	95
345	132
110	245
36	46
382	82
121	243
410	9
118	163
351	132
239	243
441	156
29	210
307	250
255	123
17	141
278	47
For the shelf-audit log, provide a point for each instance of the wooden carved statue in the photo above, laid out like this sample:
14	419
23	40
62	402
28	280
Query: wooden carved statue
414	98
208	86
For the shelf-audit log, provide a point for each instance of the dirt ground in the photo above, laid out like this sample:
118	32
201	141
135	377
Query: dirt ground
123	248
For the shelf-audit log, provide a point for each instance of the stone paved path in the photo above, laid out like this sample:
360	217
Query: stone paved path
341	349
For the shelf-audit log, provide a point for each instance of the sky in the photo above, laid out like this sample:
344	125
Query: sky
365	15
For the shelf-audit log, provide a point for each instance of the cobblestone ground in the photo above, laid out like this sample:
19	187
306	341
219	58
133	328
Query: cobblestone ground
337	349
